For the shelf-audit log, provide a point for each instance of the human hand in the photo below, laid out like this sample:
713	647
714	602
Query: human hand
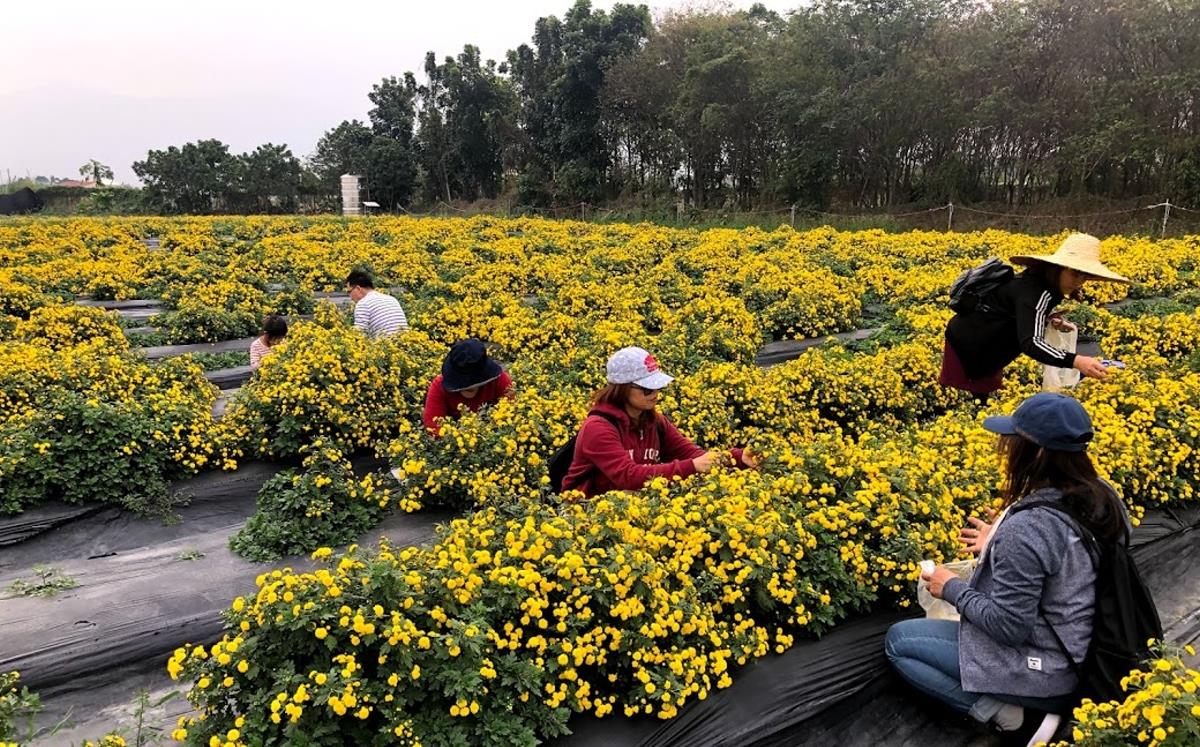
1062	325
1090	367
974	537
705	461
937	580
749	459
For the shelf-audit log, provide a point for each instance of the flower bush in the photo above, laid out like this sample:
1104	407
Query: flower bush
329	382
81	423
1161	710
60	327
529	609
633	603
16	704
299	511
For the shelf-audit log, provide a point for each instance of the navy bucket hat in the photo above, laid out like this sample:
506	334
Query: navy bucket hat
468	365
1050	420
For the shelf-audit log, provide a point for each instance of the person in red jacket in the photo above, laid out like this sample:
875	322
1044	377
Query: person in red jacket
469	378
624	442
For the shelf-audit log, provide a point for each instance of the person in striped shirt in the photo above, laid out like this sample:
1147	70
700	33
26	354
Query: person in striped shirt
376	314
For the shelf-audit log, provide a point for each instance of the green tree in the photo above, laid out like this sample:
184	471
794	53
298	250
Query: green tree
566	153
194	178
391	159
391	172
268	180
466	124
342	150
96	170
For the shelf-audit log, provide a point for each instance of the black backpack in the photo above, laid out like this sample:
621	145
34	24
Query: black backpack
973	285
560	463
1124	616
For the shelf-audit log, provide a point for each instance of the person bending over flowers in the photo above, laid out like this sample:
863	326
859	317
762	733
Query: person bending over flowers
625	442
1012	319
470	379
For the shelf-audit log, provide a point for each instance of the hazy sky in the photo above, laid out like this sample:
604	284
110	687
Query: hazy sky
111	80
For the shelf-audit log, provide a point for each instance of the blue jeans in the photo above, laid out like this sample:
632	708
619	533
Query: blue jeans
925	653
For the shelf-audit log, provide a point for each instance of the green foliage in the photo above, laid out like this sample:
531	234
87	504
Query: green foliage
16	705
111	200
300	511
204	177
468	111
95	171
342	150
187	179
216	361
47	582
196	322
80	449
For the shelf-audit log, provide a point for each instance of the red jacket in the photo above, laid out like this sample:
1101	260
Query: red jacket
607	460
441	404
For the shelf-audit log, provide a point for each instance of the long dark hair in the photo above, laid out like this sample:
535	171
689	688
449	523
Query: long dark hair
1029	467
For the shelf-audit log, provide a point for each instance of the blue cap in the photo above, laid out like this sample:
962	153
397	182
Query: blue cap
1050	420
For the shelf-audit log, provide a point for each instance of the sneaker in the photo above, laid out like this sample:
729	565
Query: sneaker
1036	727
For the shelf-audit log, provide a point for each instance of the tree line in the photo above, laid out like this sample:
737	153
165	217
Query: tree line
865	103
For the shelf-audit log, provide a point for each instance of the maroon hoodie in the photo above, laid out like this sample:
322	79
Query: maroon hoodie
607	460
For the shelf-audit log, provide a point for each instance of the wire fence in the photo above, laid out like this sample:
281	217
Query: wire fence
1158	218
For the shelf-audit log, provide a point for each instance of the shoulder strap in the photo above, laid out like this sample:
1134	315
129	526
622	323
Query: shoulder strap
610	418
1073	518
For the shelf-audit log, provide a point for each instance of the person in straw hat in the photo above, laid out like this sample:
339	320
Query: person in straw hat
1012	320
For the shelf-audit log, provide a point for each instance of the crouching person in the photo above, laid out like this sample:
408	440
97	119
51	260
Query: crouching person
470	379
625	442
1030	603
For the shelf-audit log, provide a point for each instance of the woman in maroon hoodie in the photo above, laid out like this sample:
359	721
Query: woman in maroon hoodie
624	443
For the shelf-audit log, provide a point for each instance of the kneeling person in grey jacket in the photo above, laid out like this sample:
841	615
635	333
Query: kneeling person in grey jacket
1001	663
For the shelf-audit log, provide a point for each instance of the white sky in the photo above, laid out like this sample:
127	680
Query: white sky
111	80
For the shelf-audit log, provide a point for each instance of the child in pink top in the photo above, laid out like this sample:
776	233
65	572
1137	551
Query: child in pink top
274	331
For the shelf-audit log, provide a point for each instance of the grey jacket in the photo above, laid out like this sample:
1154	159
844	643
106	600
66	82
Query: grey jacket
1035	571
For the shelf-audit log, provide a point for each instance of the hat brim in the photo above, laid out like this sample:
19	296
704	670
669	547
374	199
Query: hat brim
1001	424
454	381
1095	269
656	380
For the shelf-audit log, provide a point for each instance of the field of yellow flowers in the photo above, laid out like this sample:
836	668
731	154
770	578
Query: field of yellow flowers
528	609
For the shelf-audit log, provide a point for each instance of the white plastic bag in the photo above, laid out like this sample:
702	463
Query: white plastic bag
936	609
1054	378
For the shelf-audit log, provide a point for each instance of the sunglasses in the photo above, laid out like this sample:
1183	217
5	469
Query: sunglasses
645	390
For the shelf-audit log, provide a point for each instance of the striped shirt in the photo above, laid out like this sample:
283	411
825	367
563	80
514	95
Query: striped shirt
378	315
258	350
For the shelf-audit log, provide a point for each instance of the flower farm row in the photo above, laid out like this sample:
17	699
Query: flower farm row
527	609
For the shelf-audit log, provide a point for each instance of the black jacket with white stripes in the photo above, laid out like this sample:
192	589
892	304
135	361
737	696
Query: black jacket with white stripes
1013	321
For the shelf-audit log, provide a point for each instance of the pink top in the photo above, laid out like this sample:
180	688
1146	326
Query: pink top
258	349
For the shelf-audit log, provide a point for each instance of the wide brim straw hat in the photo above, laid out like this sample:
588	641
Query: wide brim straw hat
1079	252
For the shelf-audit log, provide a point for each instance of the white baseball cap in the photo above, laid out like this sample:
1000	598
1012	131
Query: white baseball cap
636	366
